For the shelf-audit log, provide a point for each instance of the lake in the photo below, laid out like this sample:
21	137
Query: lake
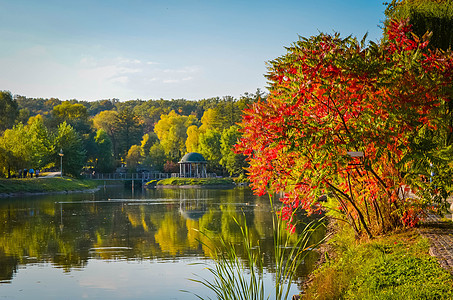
122	244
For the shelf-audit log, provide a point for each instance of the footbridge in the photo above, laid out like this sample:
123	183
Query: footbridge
143	177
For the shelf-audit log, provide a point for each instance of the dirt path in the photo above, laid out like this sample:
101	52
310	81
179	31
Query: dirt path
50	175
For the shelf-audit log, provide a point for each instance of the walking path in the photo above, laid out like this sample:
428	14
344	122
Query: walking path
51	174
440	235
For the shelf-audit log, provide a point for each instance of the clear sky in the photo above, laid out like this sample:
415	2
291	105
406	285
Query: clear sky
138	49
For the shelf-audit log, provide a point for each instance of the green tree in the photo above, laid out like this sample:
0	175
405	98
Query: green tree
157	157
148	140
129	131
150	113
133	158
227	113
9	110
16	150
96	107
68	140
70	111
209	147
106	120
40	142
29	146
75	114
104	161
235	163
24	115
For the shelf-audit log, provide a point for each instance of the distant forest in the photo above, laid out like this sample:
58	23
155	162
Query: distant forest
104	135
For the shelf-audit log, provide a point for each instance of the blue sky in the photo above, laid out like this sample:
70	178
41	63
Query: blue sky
137	49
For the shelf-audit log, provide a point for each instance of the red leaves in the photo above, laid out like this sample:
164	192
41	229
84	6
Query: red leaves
399	35
411	217
329	96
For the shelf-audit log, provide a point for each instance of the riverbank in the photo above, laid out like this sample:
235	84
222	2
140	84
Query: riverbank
31	186
395	266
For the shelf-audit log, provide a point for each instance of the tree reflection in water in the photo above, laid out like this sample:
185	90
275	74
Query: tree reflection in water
69	230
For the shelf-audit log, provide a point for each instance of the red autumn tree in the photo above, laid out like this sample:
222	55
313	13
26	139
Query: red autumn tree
353	123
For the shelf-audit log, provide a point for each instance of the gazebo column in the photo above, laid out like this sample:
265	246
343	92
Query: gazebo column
180	170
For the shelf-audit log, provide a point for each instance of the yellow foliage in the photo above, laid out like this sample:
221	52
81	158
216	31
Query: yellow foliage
192	139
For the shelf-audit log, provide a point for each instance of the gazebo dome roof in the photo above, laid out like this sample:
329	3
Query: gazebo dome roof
192	157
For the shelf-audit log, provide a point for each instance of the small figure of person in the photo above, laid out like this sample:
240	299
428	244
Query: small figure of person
36	173
25	173
20	173
31	171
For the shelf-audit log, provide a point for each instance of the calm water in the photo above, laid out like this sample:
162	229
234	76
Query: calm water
115	244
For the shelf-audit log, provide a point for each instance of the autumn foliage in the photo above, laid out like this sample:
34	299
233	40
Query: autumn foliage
386	104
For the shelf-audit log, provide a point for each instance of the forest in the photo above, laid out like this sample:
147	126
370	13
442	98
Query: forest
110	135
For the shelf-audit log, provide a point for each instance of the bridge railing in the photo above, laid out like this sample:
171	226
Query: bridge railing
127	176
208	175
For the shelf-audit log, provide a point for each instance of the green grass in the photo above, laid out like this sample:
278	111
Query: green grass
196	181
397	266
40	185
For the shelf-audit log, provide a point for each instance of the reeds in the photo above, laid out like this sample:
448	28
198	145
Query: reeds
236	278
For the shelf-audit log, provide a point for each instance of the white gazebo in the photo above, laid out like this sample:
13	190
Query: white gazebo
192	165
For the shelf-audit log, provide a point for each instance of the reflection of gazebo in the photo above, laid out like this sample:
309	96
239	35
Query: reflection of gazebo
192	209
192	165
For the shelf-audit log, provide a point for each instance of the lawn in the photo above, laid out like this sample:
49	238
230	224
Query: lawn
43	185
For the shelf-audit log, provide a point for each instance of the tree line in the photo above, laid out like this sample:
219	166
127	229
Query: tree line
104	135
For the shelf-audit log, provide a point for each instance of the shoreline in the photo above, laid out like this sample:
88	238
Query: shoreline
185	183
10	188
28	194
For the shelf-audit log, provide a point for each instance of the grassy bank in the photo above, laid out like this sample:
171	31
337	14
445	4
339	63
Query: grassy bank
44	185
196	181
397	266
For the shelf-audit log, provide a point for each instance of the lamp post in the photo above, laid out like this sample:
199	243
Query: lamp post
61	162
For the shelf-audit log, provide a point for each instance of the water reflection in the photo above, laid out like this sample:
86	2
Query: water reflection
68	231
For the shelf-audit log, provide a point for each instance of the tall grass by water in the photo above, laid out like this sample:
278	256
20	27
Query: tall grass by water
243	278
